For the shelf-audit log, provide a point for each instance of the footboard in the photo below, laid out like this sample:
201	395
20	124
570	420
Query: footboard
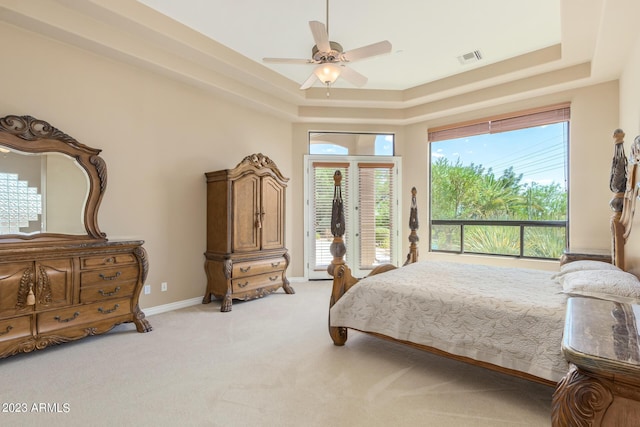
343	280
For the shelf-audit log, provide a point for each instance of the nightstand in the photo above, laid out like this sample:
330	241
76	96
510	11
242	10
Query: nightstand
602	387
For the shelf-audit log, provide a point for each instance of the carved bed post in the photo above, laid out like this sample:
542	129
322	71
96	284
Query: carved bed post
337	248
342	278
618	185
412	256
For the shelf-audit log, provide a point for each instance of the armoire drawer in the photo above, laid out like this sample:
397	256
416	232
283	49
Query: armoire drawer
109	275
15	327
82	314
103	291
254	282
251	268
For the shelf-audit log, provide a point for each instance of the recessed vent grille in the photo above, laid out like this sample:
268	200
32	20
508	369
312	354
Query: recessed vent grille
470	57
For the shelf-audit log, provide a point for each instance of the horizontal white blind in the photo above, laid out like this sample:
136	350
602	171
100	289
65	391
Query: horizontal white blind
376	211
322	203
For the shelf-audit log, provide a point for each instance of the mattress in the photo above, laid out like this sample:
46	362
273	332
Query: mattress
510	317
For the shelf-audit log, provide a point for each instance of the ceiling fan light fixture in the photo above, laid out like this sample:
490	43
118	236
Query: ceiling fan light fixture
328	73
330	58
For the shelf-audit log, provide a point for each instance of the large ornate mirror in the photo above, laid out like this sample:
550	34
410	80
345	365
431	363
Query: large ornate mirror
50	184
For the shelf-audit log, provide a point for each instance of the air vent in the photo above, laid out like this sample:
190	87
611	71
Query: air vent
470	57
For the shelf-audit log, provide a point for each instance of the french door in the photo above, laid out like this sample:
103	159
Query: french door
370	194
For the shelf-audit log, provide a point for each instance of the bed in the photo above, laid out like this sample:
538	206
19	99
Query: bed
506	319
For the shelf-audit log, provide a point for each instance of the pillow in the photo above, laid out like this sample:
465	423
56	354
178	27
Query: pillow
581	266
605	284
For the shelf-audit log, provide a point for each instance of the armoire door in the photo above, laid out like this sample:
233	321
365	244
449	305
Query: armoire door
245	200
272	214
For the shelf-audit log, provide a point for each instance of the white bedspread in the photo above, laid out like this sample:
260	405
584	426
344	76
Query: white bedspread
509	317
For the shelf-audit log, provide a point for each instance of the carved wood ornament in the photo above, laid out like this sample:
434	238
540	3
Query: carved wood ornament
579	400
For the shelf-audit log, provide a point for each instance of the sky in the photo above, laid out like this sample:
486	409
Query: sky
538	153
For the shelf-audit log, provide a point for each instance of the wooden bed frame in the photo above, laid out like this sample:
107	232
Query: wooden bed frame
623	206
343	280
623	184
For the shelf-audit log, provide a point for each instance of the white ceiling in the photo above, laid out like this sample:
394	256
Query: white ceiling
427	35
531	49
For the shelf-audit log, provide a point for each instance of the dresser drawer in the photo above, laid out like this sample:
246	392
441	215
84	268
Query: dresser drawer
82	314
16	327
254	282
107	290
251	268
107	260
109	275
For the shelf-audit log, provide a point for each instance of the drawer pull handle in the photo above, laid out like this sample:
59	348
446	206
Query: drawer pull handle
274	278
243	285
110	260
109	294
9	328
115	276
103	311
275	264
69	319
245	270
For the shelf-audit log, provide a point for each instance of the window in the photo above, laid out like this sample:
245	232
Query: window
499	186
20	204
350	144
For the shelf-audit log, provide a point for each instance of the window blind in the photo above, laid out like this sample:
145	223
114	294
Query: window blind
524	119
323	186
376	196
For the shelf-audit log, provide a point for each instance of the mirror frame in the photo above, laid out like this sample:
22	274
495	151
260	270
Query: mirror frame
31	135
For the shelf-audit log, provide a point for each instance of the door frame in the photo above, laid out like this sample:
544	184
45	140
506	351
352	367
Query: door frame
353	250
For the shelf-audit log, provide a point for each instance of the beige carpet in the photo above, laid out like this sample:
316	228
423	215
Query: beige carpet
269	362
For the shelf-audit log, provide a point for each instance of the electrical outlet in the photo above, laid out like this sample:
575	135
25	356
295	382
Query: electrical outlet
147	289
163	286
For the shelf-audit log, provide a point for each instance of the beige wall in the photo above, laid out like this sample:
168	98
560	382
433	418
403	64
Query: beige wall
630	123
158	137
594	116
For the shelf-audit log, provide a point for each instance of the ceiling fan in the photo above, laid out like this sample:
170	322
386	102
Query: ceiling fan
331	60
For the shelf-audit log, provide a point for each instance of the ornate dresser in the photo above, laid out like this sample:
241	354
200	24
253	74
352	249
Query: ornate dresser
60	279
246	256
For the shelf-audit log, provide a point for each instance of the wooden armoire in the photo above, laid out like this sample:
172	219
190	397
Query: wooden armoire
246	256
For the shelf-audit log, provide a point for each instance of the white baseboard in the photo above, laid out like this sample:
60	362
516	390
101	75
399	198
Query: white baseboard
172	306
192	301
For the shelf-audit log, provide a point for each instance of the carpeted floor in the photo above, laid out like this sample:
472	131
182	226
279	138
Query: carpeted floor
269	362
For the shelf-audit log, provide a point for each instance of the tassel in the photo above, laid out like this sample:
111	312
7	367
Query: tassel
31	298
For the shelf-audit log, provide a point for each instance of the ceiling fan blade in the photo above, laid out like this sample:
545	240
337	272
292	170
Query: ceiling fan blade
309	82
353	77
320	36
288	61
368	51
